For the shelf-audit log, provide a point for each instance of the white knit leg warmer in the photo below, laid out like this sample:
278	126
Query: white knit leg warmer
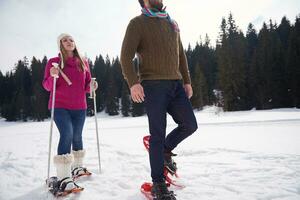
63	165
78	158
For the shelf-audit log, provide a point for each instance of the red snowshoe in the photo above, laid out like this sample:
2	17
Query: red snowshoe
170	170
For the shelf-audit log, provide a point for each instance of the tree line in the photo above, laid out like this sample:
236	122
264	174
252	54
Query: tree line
242	71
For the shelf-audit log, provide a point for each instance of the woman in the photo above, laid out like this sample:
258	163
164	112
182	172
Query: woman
72	84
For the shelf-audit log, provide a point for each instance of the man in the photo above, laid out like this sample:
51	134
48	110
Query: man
163	83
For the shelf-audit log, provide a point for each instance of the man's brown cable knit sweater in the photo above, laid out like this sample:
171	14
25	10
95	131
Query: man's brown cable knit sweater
160	49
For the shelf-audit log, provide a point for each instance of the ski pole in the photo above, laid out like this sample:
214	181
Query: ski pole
52	118
93	96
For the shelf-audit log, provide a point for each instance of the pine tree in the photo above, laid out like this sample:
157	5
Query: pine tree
209	65
100	71
24	91
112	101
263	70
9	111
293	63
118	77
200	90
205	56
125	100
280	91
39	98
283	31
46	94
251	76
188	54
221	51
231	60
222	34
269	69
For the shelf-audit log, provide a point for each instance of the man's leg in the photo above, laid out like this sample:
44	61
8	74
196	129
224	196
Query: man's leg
156	106
181	111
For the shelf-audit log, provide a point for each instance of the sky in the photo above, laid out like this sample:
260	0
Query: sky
30	27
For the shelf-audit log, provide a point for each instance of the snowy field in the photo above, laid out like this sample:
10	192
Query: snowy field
252	155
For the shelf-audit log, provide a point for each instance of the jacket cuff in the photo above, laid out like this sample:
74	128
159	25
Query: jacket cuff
132	82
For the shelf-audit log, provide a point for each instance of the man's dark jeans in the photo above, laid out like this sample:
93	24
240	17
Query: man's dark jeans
162	97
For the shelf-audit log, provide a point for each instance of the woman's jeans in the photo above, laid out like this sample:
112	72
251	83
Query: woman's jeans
162	97
70	124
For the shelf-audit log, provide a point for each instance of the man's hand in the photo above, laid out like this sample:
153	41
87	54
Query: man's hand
137	93
188	90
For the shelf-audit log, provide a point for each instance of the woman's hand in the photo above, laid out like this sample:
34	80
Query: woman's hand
95	85
54	72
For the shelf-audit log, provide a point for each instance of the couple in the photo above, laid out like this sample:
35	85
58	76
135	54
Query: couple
163	83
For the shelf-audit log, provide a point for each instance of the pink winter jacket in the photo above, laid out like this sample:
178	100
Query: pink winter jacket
72	96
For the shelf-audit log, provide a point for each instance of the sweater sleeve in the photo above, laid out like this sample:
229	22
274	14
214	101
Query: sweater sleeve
87	77
129	48
48	79
183	66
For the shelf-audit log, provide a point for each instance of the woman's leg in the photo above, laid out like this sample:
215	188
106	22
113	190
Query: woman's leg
64	159
78	119
63	122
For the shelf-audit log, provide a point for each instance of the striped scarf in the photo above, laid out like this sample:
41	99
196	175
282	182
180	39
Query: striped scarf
161	14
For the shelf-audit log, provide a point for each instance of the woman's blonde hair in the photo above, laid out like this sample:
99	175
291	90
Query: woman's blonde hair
63	54
63	57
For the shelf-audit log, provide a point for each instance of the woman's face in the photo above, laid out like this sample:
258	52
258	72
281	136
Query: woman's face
68	43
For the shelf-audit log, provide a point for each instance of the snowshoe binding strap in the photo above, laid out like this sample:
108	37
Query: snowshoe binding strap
80	171
146	142
60	189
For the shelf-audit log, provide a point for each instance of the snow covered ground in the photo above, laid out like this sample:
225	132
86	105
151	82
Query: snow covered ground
251	155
